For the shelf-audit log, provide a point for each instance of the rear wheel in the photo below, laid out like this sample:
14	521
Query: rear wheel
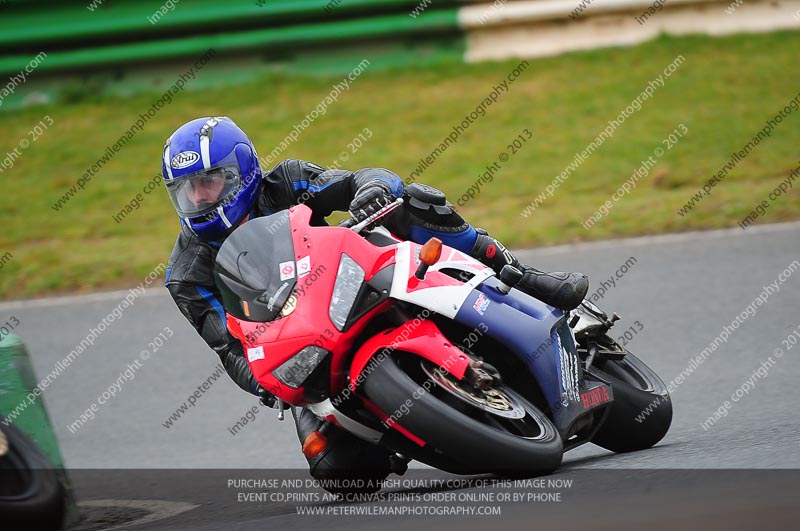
642	410
30	492
494	430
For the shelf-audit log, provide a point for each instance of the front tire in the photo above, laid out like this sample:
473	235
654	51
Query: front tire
481	441
642	410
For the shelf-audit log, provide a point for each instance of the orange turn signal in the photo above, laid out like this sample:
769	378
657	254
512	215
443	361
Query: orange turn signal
314	444
431	252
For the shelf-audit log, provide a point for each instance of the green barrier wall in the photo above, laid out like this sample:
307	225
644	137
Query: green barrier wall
115	47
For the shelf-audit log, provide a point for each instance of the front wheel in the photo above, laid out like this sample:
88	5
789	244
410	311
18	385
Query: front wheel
490	431
642	410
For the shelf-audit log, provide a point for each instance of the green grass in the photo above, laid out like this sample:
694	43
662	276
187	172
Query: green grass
723	93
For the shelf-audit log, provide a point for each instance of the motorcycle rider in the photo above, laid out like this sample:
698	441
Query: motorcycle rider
213	177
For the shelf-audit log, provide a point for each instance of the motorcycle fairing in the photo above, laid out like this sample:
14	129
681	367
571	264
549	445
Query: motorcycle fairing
438	292
309	322
423	339
556	366
538	335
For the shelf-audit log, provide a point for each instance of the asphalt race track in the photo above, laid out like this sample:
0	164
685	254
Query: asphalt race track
683	290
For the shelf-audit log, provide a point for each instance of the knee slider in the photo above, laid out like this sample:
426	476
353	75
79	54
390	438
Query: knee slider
424	198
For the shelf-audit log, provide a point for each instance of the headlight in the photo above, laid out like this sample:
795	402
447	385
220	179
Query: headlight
291	304
348	281
296	369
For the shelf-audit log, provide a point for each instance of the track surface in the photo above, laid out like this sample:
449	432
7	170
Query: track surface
683	289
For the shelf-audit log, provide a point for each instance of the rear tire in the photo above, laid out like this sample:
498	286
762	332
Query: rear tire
31	494
637	389
480	441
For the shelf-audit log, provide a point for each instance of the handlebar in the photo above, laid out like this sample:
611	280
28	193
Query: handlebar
358	227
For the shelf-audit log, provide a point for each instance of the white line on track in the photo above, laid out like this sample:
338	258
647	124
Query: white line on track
159	509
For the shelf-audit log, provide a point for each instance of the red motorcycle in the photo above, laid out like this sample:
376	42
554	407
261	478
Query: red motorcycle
424	351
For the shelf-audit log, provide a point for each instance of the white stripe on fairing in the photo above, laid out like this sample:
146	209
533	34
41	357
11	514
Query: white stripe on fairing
444	300
224	217
323	409
167	162
204	144
153	510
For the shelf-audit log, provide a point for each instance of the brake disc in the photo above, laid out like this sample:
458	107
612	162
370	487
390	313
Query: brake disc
493	399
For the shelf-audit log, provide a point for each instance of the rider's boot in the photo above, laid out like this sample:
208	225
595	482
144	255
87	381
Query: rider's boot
562	290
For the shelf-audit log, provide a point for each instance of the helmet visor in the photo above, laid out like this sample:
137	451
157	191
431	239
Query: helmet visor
201	192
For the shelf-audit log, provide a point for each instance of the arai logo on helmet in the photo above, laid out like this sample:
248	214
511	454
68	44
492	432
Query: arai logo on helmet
184	160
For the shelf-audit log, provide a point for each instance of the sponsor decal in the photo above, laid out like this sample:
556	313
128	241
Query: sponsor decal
256	353
569	374
595	397
286	269
304	266
184	159
481	303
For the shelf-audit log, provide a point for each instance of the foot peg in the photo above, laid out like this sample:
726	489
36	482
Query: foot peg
398	464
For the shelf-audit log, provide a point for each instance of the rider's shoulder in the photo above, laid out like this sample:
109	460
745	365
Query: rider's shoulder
192	260
294	169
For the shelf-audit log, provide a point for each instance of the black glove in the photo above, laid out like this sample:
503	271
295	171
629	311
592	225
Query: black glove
372	197
266	398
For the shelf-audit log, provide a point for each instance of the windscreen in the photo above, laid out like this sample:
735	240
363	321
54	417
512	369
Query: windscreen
255	269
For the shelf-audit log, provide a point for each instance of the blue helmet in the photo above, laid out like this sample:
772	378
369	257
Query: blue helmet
212	175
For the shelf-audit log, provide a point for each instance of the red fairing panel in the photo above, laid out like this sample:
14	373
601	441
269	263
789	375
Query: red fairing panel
419	336
318	251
